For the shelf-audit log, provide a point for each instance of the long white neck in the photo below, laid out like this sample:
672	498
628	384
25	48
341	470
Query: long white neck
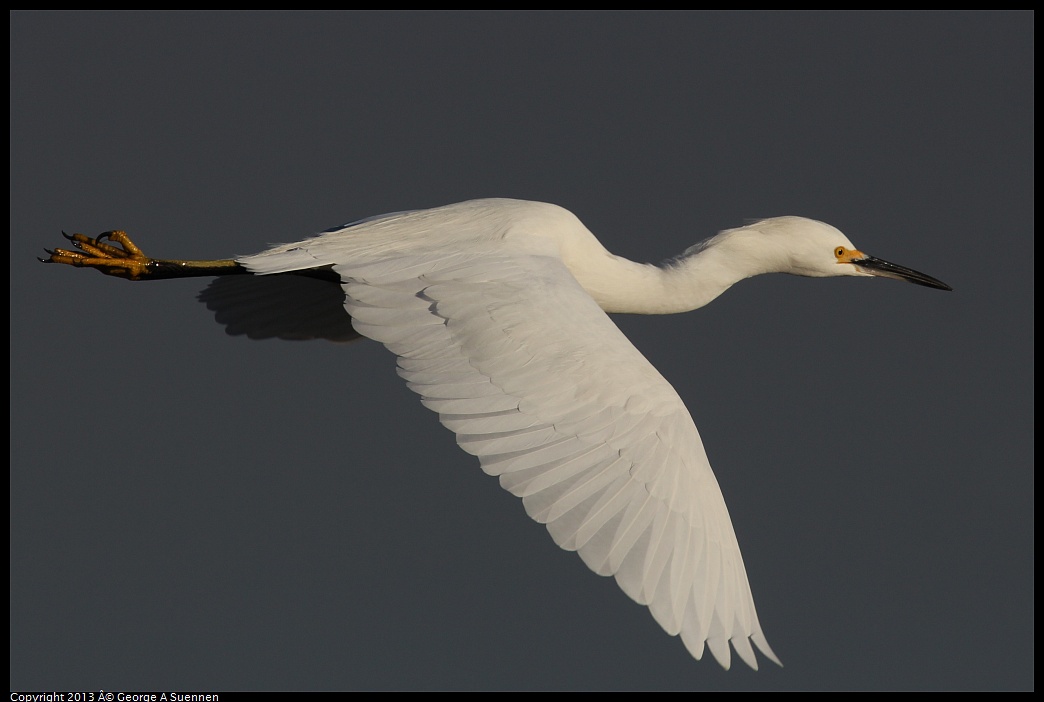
686	283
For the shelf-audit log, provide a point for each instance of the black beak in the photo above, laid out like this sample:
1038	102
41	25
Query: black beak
875	266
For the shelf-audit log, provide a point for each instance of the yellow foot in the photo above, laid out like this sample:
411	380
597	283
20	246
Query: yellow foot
123	261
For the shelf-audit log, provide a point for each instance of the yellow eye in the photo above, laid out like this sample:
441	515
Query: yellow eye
839	251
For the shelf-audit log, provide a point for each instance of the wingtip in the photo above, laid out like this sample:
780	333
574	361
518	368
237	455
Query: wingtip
759	640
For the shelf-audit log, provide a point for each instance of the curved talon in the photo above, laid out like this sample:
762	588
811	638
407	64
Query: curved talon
113	253
58	252
121	258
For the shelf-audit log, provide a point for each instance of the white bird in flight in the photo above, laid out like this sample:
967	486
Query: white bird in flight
496	310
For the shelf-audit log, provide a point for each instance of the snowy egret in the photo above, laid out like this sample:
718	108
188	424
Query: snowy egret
496	310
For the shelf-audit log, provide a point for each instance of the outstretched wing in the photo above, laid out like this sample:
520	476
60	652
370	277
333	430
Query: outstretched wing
536	380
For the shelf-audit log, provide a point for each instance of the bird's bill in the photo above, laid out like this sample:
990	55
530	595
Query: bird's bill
875	266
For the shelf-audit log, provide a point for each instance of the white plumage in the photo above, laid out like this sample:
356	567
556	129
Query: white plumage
494	332
496	310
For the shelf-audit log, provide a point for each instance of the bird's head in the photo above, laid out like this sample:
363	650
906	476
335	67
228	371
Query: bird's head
806	247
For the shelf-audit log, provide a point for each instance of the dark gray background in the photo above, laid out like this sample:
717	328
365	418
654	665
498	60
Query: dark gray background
193	510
